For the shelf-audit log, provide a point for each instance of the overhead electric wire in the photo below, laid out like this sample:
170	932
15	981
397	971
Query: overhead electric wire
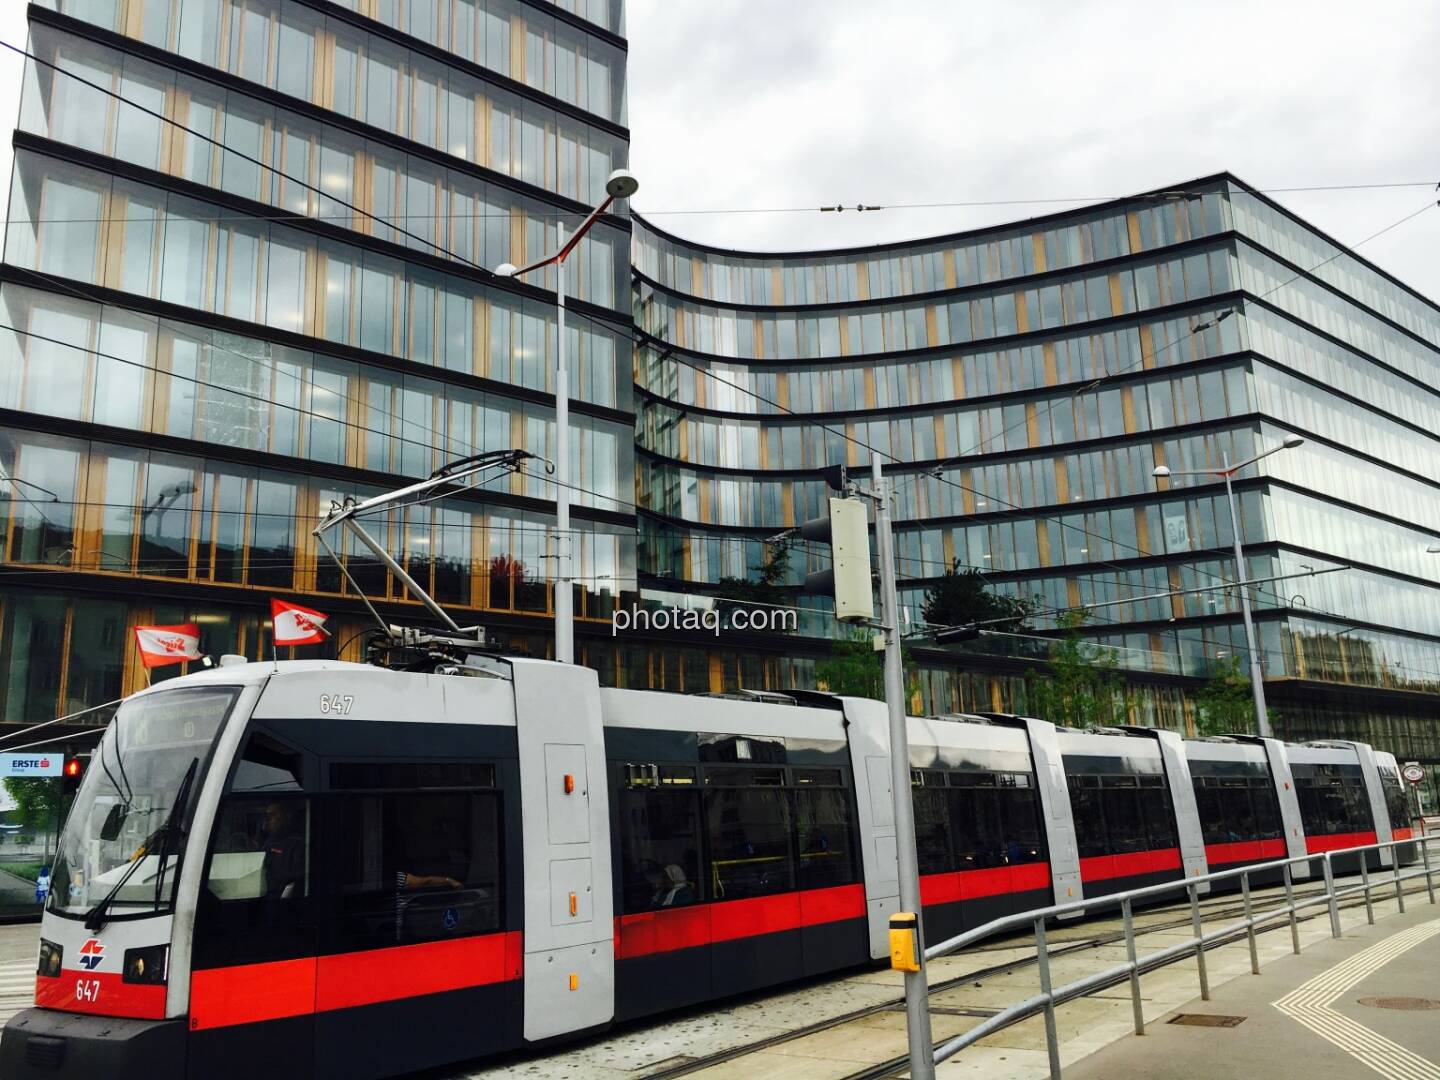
976	203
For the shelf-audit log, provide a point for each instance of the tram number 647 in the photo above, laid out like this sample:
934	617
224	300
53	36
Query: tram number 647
337	704
87	990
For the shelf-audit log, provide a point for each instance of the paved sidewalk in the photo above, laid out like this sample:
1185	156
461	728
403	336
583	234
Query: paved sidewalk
1327	1012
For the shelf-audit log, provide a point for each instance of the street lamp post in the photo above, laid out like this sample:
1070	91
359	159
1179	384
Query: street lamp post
620	185
1227	473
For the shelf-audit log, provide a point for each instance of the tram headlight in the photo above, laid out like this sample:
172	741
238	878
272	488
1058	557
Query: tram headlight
51	956
146	965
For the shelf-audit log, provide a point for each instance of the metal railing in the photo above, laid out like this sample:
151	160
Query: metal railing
1050	996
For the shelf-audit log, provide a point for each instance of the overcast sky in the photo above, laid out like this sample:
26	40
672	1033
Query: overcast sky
776	103
745	103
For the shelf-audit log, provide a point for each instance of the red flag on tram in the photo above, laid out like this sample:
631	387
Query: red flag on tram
160	645
296	625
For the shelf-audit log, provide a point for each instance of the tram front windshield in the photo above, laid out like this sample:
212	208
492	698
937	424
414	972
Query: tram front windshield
120	851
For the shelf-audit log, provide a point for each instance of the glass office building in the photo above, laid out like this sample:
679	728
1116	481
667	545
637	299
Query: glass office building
1022	383
245	277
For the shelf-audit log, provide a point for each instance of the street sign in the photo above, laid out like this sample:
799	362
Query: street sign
31	764
1413	771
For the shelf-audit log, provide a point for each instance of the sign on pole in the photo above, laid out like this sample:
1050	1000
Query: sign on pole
1413	771
31	764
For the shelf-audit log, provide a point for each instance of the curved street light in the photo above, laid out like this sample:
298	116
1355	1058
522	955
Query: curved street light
620	184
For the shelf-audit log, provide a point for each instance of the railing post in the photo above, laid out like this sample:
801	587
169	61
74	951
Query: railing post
1052	1038
1250	924
1399	884
1330	894
1365	884
1134	967
1290	903
1199	945
1425	855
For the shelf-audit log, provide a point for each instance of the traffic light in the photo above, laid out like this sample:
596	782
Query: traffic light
847	531
74	768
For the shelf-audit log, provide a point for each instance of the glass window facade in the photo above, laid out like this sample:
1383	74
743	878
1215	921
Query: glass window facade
307	168
332	63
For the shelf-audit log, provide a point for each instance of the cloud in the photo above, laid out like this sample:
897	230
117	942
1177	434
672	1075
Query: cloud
750	104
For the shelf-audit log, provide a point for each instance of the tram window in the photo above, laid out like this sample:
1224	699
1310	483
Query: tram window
749	838
410	776
1330	796
822	836
1267	809
257	880
1311	815
267	765
1207	803
976	821
659	846
1358	815
1023	842
1122	814
1157	813
416	867
744	777
1239	811
932	830
741	748
1396	805
821	777
1090	828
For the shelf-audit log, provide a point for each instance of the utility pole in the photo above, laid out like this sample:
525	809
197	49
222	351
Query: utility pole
917	1006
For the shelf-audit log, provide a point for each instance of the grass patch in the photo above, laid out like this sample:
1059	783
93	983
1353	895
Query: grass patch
30	871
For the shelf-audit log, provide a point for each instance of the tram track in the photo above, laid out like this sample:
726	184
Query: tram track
1209	910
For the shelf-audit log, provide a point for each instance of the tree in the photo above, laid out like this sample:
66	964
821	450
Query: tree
856	670
1225	705
1081	688
962	596
37	800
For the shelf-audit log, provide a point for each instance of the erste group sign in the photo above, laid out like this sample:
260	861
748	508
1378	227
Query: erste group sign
31	764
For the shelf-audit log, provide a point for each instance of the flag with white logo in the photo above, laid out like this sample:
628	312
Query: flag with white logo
160	645
296	625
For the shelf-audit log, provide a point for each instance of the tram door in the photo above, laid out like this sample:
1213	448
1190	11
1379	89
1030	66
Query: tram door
252	985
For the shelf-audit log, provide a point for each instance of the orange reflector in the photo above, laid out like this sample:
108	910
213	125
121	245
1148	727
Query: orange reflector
569	784
574	981
574	905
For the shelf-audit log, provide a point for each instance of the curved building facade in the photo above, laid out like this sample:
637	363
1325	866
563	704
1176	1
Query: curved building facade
1021	384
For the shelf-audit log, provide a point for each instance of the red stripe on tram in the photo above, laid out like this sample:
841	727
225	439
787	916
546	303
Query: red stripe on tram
1244	851
1401	834
252	993
668	929
1315	845
100	994
960	885
405	971
1129	864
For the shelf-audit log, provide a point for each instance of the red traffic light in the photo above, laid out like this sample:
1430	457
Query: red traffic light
73	768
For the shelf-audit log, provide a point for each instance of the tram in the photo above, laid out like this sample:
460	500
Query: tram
319	868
